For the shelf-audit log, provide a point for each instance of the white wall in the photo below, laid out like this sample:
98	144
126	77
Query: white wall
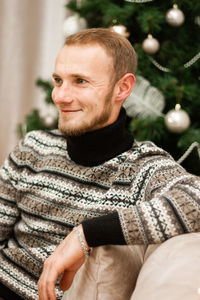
30	38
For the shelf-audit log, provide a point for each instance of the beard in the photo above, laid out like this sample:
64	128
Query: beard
96	122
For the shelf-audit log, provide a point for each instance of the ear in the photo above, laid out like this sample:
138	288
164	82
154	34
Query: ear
124	87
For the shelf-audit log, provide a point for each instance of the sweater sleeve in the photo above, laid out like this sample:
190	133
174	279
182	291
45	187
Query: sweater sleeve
9	212
171	208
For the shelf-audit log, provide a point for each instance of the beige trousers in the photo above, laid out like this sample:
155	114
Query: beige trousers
157	272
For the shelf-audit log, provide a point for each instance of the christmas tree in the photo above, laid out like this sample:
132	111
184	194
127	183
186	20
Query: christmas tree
164	105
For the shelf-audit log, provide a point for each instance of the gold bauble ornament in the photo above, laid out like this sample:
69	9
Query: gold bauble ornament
150	45
177	120
121	29
175	16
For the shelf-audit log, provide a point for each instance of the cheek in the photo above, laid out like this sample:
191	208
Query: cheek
87	98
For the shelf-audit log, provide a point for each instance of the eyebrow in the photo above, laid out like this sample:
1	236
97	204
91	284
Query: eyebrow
75	76
55	75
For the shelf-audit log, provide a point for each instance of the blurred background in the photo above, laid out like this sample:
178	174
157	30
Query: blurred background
164	106
31	34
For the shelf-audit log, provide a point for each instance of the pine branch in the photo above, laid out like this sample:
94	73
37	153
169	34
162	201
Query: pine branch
47	88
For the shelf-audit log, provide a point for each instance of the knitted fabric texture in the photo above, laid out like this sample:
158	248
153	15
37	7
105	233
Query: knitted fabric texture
44	194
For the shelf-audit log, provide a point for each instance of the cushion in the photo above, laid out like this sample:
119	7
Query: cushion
172	271
109	273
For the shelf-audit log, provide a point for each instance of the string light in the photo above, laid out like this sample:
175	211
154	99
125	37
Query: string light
157	65
192	61
186	65
184	156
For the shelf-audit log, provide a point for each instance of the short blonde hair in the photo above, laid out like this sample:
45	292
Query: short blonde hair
115	45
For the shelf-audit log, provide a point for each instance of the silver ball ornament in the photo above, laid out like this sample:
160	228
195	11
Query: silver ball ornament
49	115
177	120
150	45
73	24
49	121
175	16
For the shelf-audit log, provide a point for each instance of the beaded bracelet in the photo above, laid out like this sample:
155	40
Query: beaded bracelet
83	245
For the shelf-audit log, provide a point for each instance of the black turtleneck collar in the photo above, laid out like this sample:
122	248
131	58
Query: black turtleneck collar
95	147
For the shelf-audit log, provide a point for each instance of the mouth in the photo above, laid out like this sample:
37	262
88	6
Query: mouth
69	111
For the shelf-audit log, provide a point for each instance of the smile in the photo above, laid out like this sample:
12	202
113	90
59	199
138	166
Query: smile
68	111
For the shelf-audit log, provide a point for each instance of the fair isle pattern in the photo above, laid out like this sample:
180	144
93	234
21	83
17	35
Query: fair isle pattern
173	210
44	194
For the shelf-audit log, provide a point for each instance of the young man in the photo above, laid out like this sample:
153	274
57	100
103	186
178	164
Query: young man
90	175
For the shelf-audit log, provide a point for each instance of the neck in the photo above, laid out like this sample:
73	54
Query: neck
96	147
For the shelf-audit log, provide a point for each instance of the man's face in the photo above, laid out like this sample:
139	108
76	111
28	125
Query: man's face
83	91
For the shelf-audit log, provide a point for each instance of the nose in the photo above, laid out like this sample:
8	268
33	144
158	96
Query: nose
62	94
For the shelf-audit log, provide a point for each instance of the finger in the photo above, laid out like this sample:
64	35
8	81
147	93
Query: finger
46	283
46	291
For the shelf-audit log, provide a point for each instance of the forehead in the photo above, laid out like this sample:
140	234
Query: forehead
87	58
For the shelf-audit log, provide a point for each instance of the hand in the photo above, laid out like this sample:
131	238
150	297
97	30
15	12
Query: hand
68	258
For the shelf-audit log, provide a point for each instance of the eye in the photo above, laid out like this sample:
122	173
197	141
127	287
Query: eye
80	81
57	80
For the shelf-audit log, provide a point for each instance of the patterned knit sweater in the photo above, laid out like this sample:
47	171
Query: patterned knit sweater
139	196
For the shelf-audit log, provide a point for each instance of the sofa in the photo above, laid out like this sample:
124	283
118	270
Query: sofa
169	271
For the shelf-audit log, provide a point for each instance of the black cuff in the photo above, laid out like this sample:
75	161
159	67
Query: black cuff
105	230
